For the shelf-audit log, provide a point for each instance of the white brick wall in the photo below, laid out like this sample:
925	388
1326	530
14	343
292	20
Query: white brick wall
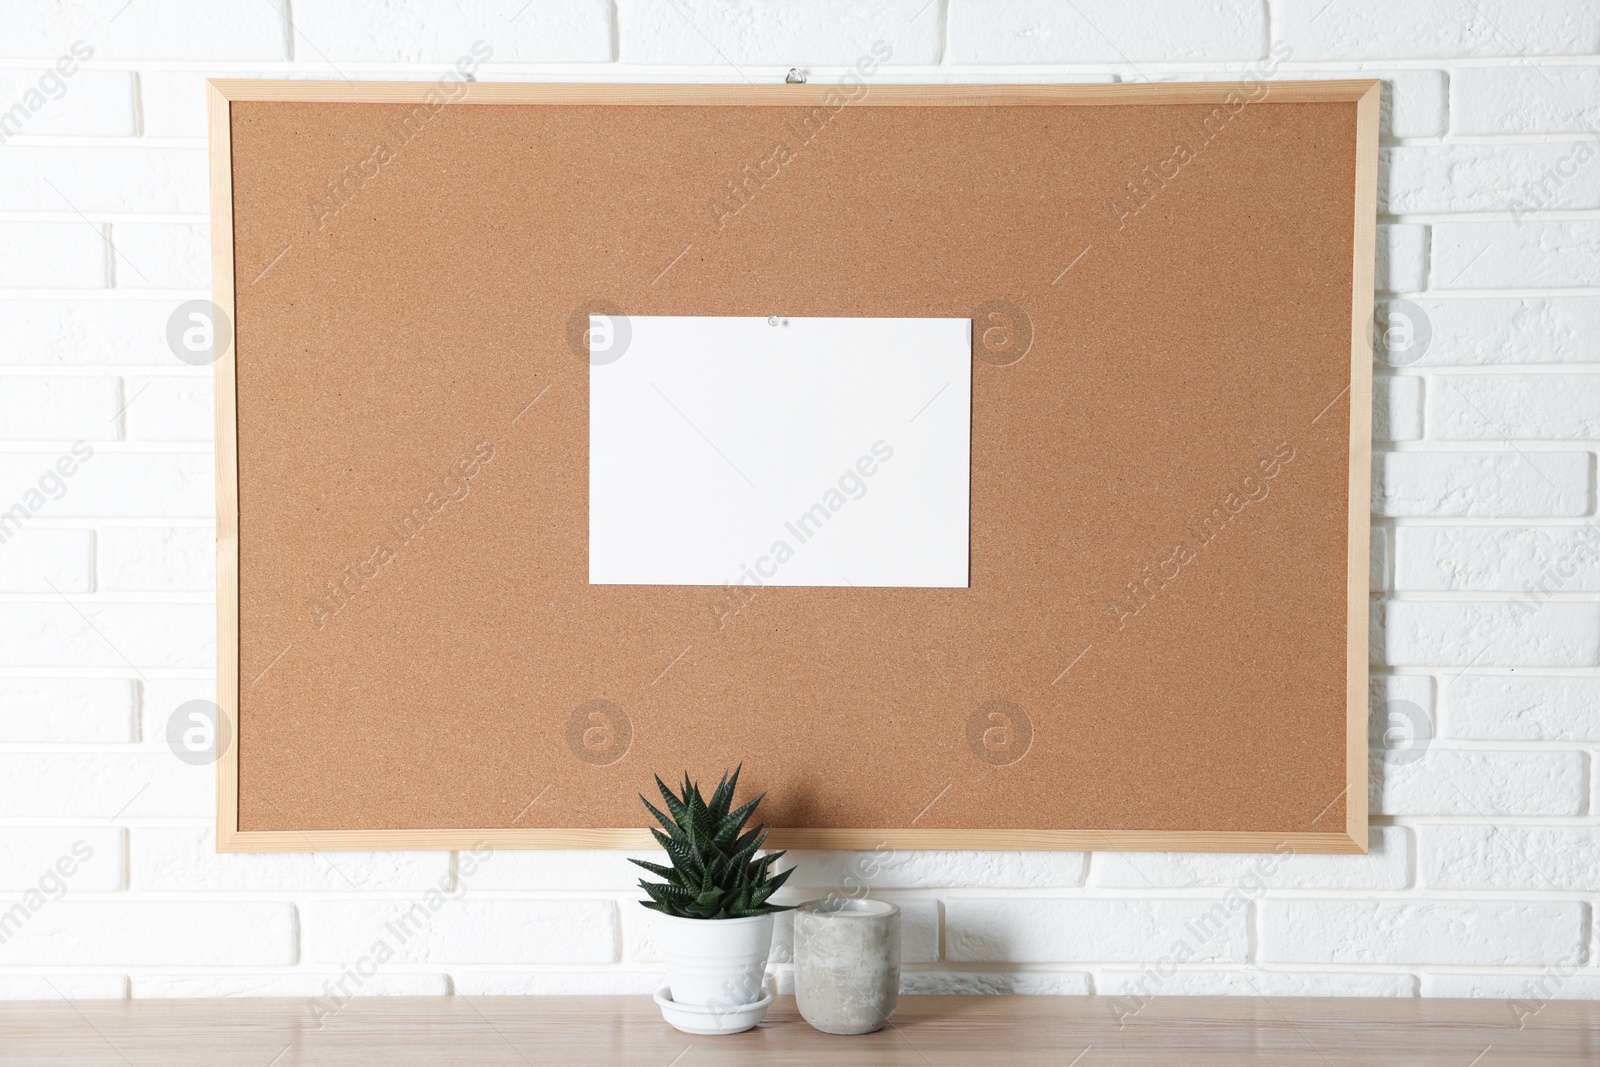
1414	484
37	407
148	558
1526	100
461	931
53	255
203	30
1429	179
1522	707
822	32
1402	257
183	933
1105	31
1489	330
1066	930
68	709
1442	29
1416	633
159	256
34	561
74	178
1486	584
97	103
1521	254
1551	407
1469	932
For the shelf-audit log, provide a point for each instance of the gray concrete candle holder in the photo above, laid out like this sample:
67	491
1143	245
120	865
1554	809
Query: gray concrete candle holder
847	964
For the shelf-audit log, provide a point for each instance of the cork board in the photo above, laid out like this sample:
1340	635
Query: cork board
1163	645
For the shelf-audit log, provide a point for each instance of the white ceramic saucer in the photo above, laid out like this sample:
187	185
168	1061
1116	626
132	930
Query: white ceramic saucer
711	1019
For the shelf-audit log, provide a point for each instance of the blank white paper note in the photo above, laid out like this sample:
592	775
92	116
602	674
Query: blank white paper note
810	452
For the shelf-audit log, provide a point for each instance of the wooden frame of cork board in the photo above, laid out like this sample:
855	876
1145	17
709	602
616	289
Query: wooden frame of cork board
1164	643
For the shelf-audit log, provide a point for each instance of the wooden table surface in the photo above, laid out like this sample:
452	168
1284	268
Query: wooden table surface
927	1032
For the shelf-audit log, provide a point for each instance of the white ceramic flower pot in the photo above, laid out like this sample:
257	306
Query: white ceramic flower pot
715	962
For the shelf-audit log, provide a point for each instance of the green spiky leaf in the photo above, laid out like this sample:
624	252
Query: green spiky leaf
679	810
666	823
715	872
722	799
667	894
658	870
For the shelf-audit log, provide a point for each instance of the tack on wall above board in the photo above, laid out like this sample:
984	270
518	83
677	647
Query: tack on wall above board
1162	641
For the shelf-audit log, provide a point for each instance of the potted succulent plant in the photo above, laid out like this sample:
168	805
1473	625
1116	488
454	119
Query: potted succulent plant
716	909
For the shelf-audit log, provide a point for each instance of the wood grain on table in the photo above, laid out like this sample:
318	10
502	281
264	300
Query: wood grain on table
926	1032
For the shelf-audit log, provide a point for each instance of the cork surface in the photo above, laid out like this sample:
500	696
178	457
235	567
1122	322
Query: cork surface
1155	632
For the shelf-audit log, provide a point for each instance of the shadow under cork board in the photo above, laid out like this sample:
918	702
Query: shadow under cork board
1164	640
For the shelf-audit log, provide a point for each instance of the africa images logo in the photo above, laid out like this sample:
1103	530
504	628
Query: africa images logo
450	488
